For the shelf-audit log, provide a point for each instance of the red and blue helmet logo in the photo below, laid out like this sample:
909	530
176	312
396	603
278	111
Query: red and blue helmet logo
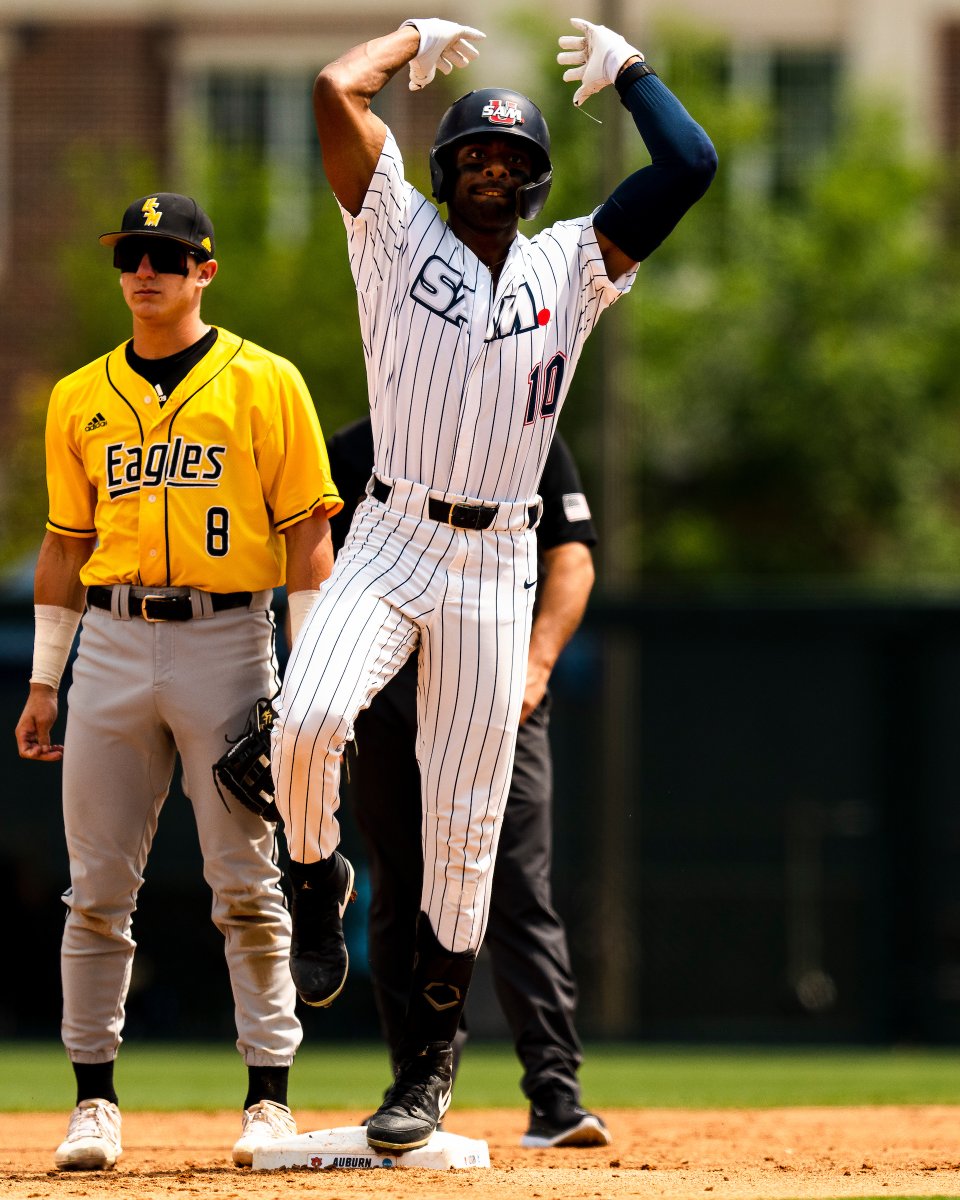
503	112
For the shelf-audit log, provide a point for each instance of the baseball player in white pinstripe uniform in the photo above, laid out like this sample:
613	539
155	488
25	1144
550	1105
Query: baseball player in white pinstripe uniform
471	334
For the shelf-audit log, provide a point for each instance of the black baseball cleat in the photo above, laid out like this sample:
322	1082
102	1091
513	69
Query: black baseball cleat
556	1119
414	1106
318	954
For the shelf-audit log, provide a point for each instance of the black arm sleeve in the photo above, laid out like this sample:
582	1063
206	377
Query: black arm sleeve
645	208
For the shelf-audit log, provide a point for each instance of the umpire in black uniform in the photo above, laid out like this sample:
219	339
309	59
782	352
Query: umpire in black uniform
525	936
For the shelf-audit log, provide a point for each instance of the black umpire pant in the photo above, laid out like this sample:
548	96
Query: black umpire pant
525	937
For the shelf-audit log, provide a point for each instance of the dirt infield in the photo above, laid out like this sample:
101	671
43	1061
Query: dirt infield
740	1155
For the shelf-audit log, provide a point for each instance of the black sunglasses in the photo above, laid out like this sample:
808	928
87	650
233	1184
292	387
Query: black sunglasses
166	256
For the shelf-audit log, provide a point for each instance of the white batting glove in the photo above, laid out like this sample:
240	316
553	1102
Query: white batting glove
597	55
443	46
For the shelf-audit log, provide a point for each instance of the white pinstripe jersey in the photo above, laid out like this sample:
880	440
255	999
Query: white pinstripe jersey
465	385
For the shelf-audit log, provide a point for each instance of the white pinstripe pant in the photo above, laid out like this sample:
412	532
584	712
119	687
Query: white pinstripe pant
401	582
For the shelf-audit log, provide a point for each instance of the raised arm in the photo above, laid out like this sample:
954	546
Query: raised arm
644	208
351	134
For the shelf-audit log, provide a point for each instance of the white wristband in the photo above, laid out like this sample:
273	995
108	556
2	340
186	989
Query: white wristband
54	630
299	604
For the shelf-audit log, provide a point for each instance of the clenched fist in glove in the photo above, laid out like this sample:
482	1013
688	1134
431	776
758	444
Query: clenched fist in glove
443	46
597	56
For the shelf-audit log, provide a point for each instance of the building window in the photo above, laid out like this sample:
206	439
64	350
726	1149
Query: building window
266	118
804	89
800	88
237	110
950	88
5	159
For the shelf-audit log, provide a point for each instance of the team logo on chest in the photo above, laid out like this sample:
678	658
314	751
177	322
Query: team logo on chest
179	464
440	287
517	313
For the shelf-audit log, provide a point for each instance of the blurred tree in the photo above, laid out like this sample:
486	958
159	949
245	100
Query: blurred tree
796	365
792	357
298	298
94	320
23	487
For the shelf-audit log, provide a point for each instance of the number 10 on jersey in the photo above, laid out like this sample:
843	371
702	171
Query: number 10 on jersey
544	388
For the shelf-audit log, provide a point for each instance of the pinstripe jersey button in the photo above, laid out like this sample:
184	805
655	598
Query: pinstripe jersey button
153	554
152	498
147	399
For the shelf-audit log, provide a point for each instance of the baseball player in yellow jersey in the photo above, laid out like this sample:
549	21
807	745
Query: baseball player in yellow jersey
188	477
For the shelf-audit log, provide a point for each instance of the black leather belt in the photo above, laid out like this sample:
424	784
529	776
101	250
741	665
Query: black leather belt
155	606
460	516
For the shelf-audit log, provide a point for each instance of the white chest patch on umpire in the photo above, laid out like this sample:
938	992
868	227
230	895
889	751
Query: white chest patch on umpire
575	506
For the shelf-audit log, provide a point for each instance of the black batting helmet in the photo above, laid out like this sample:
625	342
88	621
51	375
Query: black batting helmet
499	111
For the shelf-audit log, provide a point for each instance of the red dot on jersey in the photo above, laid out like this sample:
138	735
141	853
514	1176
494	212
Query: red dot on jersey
543	316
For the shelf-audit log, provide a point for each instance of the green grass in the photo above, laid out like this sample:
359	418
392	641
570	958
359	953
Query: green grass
173	1076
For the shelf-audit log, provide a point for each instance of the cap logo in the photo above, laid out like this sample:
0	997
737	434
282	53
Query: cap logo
151	213
205	243
503	112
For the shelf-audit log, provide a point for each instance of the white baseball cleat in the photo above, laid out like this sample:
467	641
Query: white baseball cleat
263	1122
93	1138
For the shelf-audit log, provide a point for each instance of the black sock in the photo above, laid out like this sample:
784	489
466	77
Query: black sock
266	1083
312	875
95	1081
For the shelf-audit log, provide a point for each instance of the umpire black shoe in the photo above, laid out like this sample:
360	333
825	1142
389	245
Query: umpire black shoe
556	1119
318	954
414	1106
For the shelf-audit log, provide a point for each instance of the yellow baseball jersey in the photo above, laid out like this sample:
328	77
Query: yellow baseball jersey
196	493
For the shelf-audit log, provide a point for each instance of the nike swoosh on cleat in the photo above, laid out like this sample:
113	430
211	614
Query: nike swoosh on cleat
350	892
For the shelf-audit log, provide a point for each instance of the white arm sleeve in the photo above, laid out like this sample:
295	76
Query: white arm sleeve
54	630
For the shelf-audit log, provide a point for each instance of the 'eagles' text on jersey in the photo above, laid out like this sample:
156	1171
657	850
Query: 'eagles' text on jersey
198	492
465	383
